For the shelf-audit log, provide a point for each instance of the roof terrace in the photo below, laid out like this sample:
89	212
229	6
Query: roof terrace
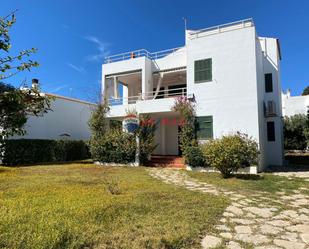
192	34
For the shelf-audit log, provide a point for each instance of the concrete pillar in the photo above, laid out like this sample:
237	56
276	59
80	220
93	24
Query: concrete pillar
163	138
125	94
116	93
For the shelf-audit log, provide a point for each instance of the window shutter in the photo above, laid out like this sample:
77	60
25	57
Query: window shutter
204	127
203	70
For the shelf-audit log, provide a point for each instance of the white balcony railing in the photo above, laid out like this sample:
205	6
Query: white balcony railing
167	93
221	28
141	53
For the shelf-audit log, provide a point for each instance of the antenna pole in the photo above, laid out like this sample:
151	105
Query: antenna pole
185	26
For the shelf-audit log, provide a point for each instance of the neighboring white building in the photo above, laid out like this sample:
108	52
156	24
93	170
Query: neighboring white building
231	72
68	119
292	105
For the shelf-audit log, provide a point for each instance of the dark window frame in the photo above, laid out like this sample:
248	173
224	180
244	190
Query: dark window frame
271	131
207	70
205	132
268	78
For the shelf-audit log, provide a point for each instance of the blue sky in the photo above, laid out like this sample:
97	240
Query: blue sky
74	36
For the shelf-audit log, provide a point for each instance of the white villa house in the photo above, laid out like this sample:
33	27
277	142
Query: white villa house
292	105
232	74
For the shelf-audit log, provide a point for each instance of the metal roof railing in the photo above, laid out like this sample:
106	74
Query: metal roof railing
221	28
141	53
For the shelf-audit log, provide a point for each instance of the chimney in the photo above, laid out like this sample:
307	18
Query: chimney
35	84
288	92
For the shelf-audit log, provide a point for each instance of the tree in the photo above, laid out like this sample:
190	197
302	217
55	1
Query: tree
296	132
98	123
186	109
16	104
306	91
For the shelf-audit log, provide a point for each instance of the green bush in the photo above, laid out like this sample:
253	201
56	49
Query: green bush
230	153
114	147
146	133
194	156
296	132
31	151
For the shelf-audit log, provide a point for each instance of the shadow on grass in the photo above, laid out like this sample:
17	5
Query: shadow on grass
247	177
87	161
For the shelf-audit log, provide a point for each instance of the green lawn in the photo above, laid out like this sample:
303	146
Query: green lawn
248	184
88	206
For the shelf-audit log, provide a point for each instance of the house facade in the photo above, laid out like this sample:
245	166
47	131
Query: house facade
292	105
231	73
67	119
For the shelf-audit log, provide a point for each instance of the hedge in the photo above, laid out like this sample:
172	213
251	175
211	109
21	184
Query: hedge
32	151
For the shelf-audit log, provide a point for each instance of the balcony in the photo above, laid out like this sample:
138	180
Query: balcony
171	92
150	102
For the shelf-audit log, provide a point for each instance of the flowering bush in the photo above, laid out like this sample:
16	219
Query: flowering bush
230	153
186	108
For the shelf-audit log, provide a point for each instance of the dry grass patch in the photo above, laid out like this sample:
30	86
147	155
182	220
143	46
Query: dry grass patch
88	206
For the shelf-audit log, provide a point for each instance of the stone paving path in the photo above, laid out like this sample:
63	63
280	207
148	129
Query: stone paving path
300	174
257	221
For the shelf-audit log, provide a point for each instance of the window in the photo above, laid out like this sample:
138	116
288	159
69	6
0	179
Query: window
203	70
271	131
268	82
204	127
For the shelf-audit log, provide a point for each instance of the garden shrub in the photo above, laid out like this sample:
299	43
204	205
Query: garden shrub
231	152
146	133
194	156
114	147
296	132
31	151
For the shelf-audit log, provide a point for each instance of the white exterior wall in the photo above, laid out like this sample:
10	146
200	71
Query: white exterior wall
231	97
273	152
292	105
67	117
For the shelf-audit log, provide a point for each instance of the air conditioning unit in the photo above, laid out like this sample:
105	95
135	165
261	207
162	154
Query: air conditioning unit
270	109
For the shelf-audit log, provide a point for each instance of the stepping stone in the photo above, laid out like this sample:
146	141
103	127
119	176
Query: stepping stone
267	247
222	228
253	239
305	237
234	210
210	241
226	235
289	236
262	212
268	229
304	210
288	244
290	213
233	245
299	228
279	223
242	221
243	229
227	214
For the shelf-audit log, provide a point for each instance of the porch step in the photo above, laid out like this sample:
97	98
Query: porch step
167	161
